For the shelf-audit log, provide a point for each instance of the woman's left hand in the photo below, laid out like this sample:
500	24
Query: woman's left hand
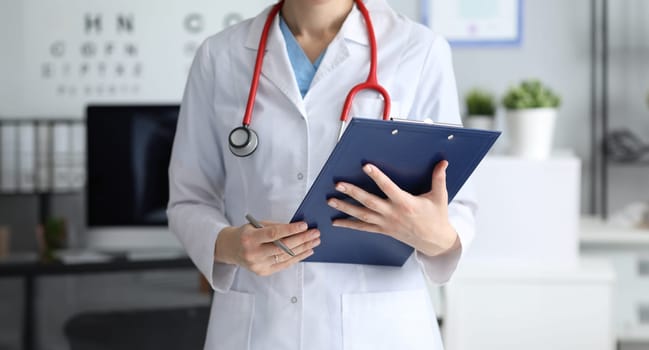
419	221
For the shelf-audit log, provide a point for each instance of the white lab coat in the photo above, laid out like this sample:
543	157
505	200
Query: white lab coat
310	305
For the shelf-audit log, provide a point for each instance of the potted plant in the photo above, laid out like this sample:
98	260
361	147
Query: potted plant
481	109
530	118
51	237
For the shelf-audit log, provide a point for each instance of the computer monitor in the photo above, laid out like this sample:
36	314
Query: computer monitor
128	152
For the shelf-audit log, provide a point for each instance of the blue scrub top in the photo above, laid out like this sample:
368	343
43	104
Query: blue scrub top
303	69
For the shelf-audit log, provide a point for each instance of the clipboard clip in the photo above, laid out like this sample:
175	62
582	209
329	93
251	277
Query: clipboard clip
427	121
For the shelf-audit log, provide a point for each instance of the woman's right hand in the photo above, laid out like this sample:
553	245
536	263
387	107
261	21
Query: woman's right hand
253	248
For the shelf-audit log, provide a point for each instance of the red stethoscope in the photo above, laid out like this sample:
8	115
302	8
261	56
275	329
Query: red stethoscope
243	140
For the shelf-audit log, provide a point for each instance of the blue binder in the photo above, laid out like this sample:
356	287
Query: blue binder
407	152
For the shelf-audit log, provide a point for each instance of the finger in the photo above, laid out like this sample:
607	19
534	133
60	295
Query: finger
361	213
282	257
394	192
294	260
357	225
275	232
368	200
299	239
269	249
438	190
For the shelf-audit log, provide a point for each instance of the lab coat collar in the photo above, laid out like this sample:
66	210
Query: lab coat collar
254	35
354	27
276	66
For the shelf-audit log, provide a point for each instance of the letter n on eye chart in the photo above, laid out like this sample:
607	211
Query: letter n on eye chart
476	22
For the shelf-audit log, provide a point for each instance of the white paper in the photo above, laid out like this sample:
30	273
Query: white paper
27	157
43	161
8	177
78	157
61	157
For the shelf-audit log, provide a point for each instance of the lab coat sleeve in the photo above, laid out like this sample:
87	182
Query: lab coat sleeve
437	98
196	209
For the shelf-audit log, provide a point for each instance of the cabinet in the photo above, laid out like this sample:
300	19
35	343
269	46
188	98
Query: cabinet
41	157
628	252
518	308
620	104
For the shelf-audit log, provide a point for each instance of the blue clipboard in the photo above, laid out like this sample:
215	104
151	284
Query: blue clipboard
405	151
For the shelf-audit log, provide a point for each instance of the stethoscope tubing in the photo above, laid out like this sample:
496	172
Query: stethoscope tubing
252	94
372	82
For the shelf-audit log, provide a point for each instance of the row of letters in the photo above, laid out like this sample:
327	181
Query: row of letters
50	70
97	90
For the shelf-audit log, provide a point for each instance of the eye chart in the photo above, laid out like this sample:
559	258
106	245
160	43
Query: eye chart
75	52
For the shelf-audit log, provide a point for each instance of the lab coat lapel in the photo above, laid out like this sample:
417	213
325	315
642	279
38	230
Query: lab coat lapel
276	67
352	30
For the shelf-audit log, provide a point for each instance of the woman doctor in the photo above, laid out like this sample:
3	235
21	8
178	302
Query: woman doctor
316	51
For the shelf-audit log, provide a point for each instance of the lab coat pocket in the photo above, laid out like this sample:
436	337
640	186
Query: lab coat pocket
365	107
391	320
230	321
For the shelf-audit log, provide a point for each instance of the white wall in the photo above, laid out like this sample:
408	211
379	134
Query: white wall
94	63
10	56
555	49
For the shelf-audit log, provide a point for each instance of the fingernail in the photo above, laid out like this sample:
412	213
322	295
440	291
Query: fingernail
367	168
340	188
316	243
310	252
303	226
315	234
332	203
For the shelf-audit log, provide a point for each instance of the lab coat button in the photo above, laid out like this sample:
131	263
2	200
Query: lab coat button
294	300
300	176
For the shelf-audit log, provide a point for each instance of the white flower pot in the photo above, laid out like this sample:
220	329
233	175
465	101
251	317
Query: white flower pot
483	122
530	132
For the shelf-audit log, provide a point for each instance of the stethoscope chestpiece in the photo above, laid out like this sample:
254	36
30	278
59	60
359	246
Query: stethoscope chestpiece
243	141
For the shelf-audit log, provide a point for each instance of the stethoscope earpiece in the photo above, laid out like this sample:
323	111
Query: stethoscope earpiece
243	141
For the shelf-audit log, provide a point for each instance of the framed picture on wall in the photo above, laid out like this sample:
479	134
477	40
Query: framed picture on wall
476	22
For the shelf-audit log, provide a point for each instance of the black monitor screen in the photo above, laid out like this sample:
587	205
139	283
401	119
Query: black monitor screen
129	148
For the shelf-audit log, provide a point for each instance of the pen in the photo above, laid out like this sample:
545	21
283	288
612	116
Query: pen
278	242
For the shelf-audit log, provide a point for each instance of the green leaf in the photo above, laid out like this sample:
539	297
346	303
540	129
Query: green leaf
480	102
530	93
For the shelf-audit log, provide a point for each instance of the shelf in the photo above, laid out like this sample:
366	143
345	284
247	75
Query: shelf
39	193
635	335
641	163
596	232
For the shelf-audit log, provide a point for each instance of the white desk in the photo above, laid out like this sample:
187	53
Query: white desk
628	252
523	308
